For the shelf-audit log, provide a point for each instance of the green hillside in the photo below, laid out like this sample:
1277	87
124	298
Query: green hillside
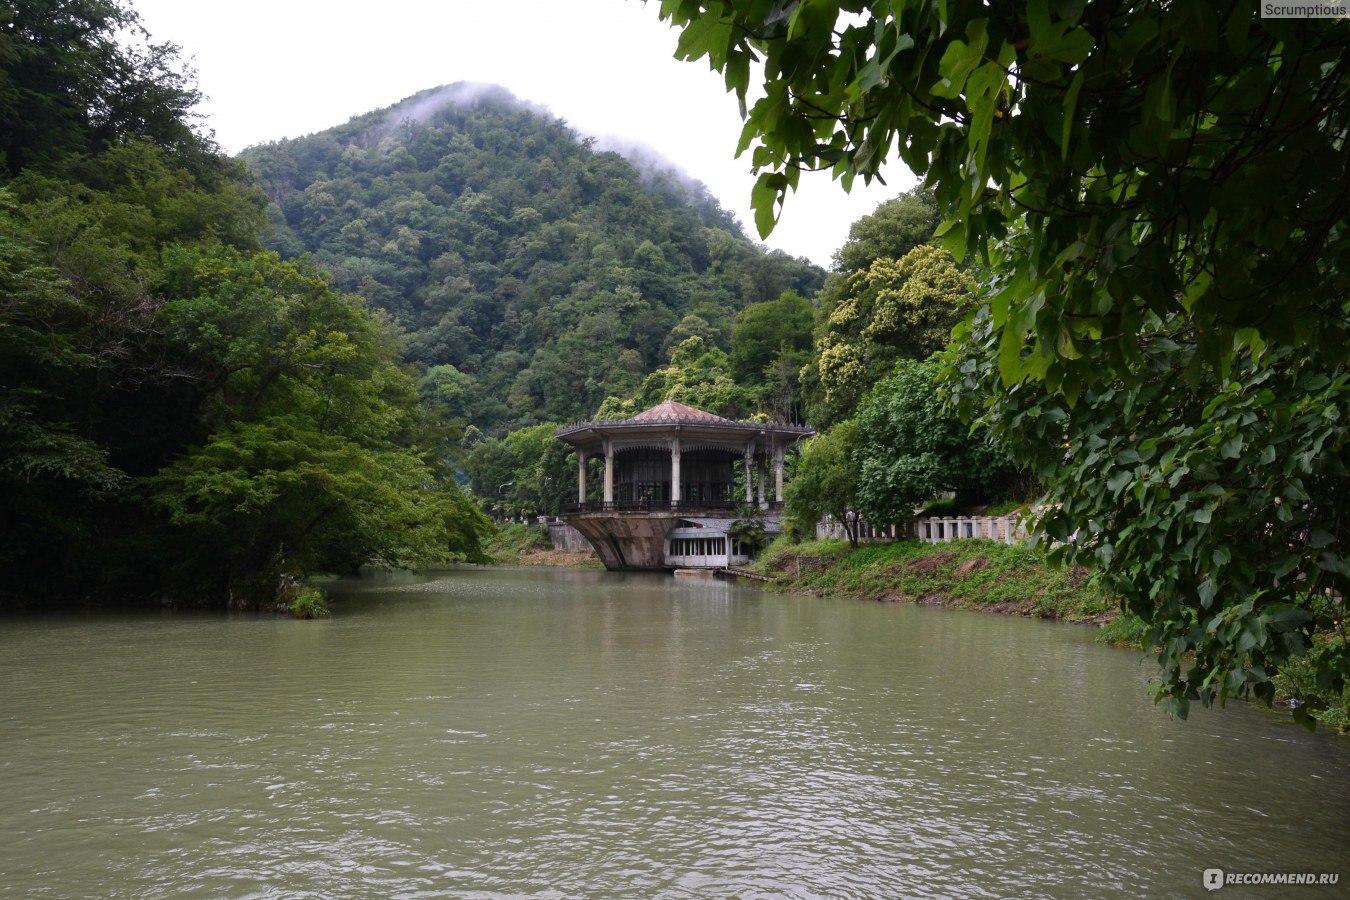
548	274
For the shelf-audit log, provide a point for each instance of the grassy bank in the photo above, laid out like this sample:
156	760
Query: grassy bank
1297	682
529	545
961	574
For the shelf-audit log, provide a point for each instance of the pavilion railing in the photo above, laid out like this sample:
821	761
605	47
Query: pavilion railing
654	506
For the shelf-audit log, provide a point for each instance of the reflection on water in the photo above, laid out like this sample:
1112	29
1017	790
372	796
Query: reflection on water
567	733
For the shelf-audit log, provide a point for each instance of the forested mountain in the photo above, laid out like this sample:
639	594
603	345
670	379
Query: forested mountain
549	275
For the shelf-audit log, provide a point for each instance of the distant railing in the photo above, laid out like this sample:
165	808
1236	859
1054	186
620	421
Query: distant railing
574	507
828	529
940	529
1010	529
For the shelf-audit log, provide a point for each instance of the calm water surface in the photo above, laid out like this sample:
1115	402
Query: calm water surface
555	733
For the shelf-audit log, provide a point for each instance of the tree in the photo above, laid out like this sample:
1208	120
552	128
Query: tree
284	497
181	414
528	470
47	465
1212	505
690	326
912	447
92	398
1159	194
765	331
893	229
748	530
894	309
699	376
827	481
77	77
304	463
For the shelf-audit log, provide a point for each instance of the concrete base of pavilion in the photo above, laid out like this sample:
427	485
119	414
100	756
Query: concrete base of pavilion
632	541
637	541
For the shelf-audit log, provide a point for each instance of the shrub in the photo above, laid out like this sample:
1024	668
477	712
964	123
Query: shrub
309	604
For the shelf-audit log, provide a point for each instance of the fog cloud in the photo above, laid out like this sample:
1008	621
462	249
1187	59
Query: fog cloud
423	106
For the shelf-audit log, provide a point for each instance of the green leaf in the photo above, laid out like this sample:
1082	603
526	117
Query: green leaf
701	37
812	17
960	59
1070	105
1281	617
766	198
1206	592
1176	706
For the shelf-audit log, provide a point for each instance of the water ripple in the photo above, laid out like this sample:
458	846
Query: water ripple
575	734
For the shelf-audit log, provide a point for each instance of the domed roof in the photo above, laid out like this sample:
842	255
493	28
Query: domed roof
670	411
671	419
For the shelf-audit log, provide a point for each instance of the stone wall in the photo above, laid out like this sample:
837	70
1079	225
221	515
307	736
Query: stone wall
565	537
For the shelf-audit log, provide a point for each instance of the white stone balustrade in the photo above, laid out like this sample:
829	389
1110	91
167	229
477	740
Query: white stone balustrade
938	529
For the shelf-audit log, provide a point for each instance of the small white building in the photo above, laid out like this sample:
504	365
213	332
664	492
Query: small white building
704	544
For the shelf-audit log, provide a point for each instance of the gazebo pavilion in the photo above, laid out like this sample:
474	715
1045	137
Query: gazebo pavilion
670	483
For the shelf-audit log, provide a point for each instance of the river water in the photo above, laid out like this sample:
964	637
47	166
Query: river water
561	733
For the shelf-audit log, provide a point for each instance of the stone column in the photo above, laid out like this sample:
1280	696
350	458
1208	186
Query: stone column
763	482
749	475
675	490
778	473
609	472
581	477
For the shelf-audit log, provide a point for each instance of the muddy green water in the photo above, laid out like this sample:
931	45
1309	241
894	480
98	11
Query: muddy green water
556	733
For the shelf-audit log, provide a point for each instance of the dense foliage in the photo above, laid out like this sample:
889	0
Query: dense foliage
182	415
770	344
848	354
903	447
894	309
527	472
911	448
893	229
872	386
548	274
309	422
80	77
1159	192
826	483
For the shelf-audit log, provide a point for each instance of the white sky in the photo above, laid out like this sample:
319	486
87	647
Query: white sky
287	68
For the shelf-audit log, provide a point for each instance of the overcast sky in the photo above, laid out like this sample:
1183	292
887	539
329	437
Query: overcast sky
287	68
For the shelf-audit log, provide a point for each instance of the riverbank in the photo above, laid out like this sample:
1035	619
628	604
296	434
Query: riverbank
516	544
971	574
